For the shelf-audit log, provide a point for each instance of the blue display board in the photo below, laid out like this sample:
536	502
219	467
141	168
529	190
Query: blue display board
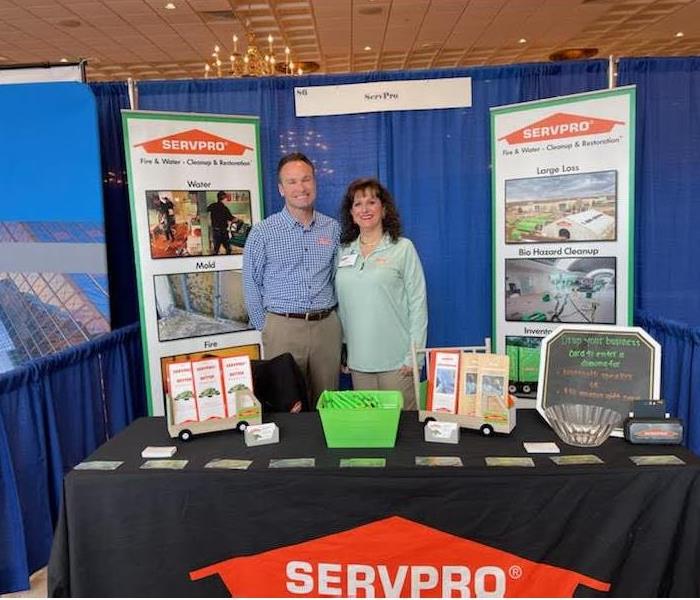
53	270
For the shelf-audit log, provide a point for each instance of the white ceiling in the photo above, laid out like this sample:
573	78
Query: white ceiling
143	40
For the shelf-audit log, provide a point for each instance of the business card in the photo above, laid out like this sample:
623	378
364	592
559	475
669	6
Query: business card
164	464
657	459
99	465
509	461
292	463
439	461
363	462
228	463
576	459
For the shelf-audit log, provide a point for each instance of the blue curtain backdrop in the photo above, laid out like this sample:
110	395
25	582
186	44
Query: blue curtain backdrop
667	213
53	413
668	180
436	163
111	98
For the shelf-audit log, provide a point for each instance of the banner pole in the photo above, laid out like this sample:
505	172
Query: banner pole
612	73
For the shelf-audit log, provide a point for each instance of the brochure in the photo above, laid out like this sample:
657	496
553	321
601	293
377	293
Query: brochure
469	371
181	381
208	385
443	382
492	385
237	376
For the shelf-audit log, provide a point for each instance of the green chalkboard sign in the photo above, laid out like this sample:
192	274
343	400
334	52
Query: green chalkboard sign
605	366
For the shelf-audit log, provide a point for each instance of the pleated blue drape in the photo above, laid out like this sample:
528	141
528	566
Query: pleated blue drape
668	179
53	413
111	98
667	213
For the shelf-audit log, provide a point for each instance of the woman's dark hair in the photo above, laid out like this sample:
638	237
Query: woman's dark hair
390	223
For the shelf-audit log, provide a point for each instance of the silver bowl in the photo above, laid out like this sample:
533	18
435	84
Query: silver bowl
583	425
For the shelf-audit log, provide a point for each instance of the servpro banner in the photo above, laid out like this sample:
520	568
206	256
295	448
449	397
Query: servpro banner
563	207
394	558
195	192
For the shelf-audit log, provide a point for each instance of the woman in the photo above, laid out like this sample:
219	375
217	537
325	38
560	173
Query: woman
381	292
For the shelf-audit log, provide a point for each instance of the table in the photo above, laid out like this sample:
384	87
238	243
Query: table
403	528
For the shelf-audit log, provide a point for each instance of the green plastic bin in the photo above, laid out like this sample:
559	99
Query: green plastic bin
360	419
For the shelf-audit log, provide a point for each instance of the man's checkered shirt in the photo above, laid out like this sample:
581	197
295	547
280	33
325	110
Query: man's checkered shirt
289	267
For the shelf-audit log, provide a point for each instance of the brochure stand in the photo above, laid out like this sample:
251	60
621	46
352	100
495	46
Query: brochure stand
480	420
211	395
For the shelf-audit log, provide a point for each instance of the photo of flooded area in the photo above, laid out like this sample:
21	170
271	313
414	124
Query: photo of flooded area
562	208
568	290
196	304
204	223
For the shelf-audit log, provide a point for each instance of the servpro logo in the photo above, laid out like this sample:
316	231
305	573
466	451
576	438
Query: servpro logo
194	141
394	557
560	125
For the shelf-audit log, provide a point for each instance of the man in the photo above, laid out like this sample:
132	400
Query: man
166	208
220	218
288	272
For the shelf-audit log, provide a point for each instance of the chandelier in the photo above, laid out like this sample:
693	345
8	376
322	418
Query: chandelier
253	62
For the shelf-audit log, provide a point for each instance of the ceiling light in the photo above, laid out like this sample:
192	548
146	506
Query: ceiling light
169	6
368	48
573	53
522	41
63	60
680	34
253	60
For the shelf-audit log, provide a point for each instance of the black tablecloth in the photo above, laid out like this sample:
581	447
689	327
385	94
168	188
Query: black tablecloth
135	532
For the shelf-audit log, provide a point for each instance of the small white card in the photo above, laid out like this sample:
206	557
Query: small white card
442	429
541	447
158	451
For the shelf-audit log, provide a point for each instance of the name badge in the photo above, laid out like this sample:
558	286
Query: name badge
347	260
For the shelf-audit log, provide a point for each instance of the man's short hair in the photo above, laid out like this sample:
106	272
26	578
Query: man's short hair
293	157
221	195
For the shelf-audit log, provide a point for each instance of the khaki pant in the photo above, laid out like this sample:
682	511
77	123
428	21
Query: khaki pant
387	380
315	346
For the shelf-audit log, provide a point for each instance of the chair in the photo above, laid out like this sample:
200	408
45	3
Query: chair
279	384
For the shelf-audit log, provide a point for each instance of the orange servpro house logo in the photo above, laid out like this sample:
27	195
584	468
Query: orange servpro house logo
558	126
393	557
194	141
